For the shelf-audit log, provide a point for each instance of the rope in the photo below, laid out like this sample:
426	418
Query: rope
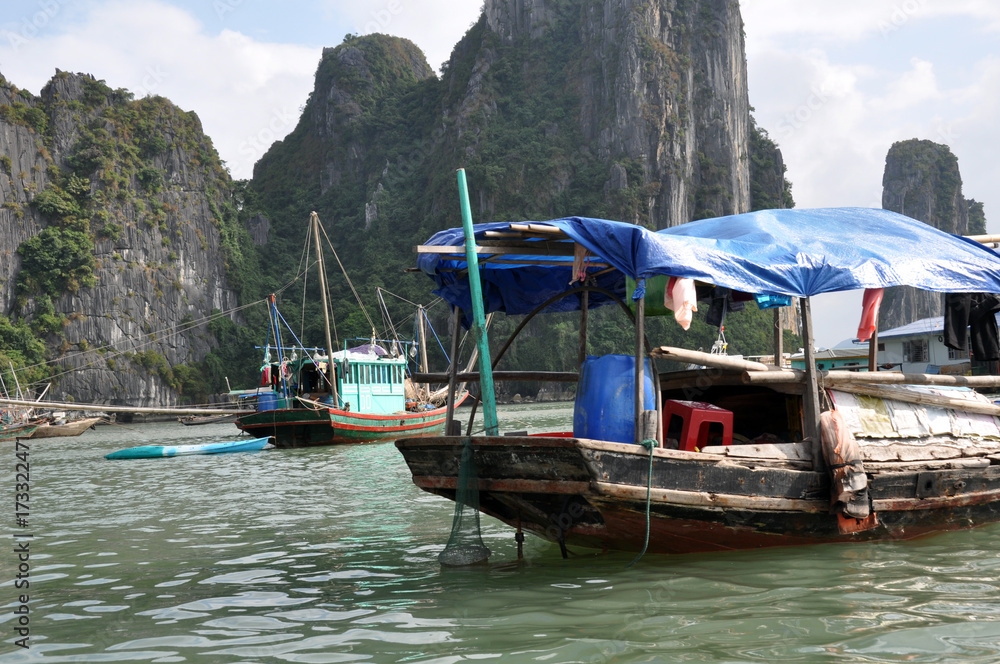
649	444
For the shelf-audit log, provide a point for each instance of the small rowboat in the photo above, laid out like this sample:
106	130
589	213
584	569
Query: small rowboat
155	451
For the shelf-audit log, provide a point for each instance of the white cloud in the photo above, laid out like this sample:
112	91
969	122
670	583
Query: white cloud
835	114
247	93
775	20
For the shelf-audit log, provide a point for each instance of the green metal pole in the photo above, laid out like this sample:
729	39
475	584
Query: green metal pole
478	314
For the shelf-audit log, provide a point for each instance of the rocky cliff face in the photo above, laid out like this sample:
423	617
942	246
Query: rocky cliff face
139	190
922	180
662	88
624	109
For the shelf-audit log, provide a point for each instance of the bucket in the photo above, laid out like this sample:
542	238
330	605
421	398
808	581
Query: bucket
605	398
267	401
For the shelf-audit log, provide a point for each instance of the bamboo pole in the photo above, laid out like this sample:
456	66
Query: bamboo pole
478	313
56	405
706	359
834	379
584	312
910	396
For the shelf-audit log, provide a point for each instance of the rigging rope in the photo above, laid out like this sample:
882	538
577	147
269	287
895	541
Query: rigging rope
649	444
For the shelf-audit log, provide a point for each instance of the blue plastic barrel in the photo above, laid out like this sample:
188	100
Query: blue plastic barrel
267	401
605	398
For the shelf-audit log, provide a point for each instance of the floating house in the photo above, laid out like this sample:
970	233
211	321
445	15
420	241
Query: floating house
919	348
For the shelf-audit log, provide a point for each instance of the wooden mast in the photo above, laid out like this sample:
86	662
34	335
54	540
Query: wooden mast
422	340
456	321
332	372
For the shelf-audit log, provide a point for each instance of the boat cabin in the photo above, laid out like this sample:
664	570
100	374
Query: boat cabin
369	380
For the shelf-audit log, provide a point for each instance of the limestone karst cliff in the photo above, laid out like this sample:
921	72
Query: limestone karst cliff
113	221
922	180
623	109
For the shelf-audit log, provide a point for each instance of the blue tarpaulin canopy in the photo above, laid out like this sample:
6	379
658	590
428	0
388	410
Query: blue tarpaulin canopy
777	252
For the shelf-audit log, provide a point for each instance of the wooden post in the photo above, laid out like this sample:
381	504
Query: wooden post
873	351
422	340
584	309
478	313
778	338
456	322
810	406
640	373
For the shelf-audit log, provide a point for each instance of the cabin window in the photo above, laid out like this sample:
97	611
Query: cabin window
954	354
915	351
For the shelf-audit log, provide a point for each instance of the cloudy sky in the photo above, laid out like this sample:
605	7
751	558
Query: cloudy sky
835	83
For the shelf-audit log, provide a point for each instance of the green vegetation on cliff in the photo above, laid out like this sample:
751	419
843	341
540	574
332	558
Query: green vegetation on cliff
377	158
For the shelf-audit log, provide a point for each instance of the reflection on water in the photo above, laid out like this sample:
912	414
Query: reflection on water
330	555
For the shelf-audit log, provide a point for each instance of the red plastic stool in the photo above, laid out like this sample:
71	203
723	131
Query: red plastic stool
697	415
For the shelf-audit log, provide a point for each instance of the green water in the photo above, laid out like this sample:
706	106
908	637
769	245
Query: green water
330	555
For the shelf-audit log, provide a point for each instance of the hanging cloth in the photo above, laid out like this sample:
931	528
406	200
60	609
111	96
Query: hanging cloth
973	316
681	298
580	256
956	319
869	313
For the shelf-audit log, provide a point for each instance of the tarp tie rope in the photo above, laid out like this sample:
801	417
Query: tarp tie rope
640	290
649	444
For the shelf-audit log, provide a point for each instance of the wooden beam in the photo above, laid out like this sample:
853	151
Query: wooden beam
498	376
706	359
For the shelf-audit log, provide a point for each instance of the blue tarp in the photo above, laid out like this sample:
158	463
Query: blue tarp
777	252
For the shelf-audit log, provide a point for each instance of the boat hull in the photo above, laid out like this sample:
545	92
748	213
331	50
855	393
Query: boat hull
594	494
159	451
68	429
13	431
301	427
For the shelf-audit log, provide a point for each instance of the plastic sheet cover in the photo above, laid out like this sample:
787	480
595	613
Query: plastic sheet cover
777	252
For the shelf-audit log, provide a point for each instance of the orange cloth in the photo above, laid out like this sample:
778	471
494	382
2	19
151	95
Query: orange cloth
869	313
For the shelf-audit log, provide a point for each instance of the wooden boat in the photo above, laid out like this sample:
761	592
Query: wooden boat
19	430
195	420
736	454
157	451
64	429
314	396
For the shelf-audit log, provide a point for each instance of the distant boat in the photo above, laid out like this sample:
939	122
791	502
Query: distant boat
156	451
12	431
64	429
314	396
193	420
